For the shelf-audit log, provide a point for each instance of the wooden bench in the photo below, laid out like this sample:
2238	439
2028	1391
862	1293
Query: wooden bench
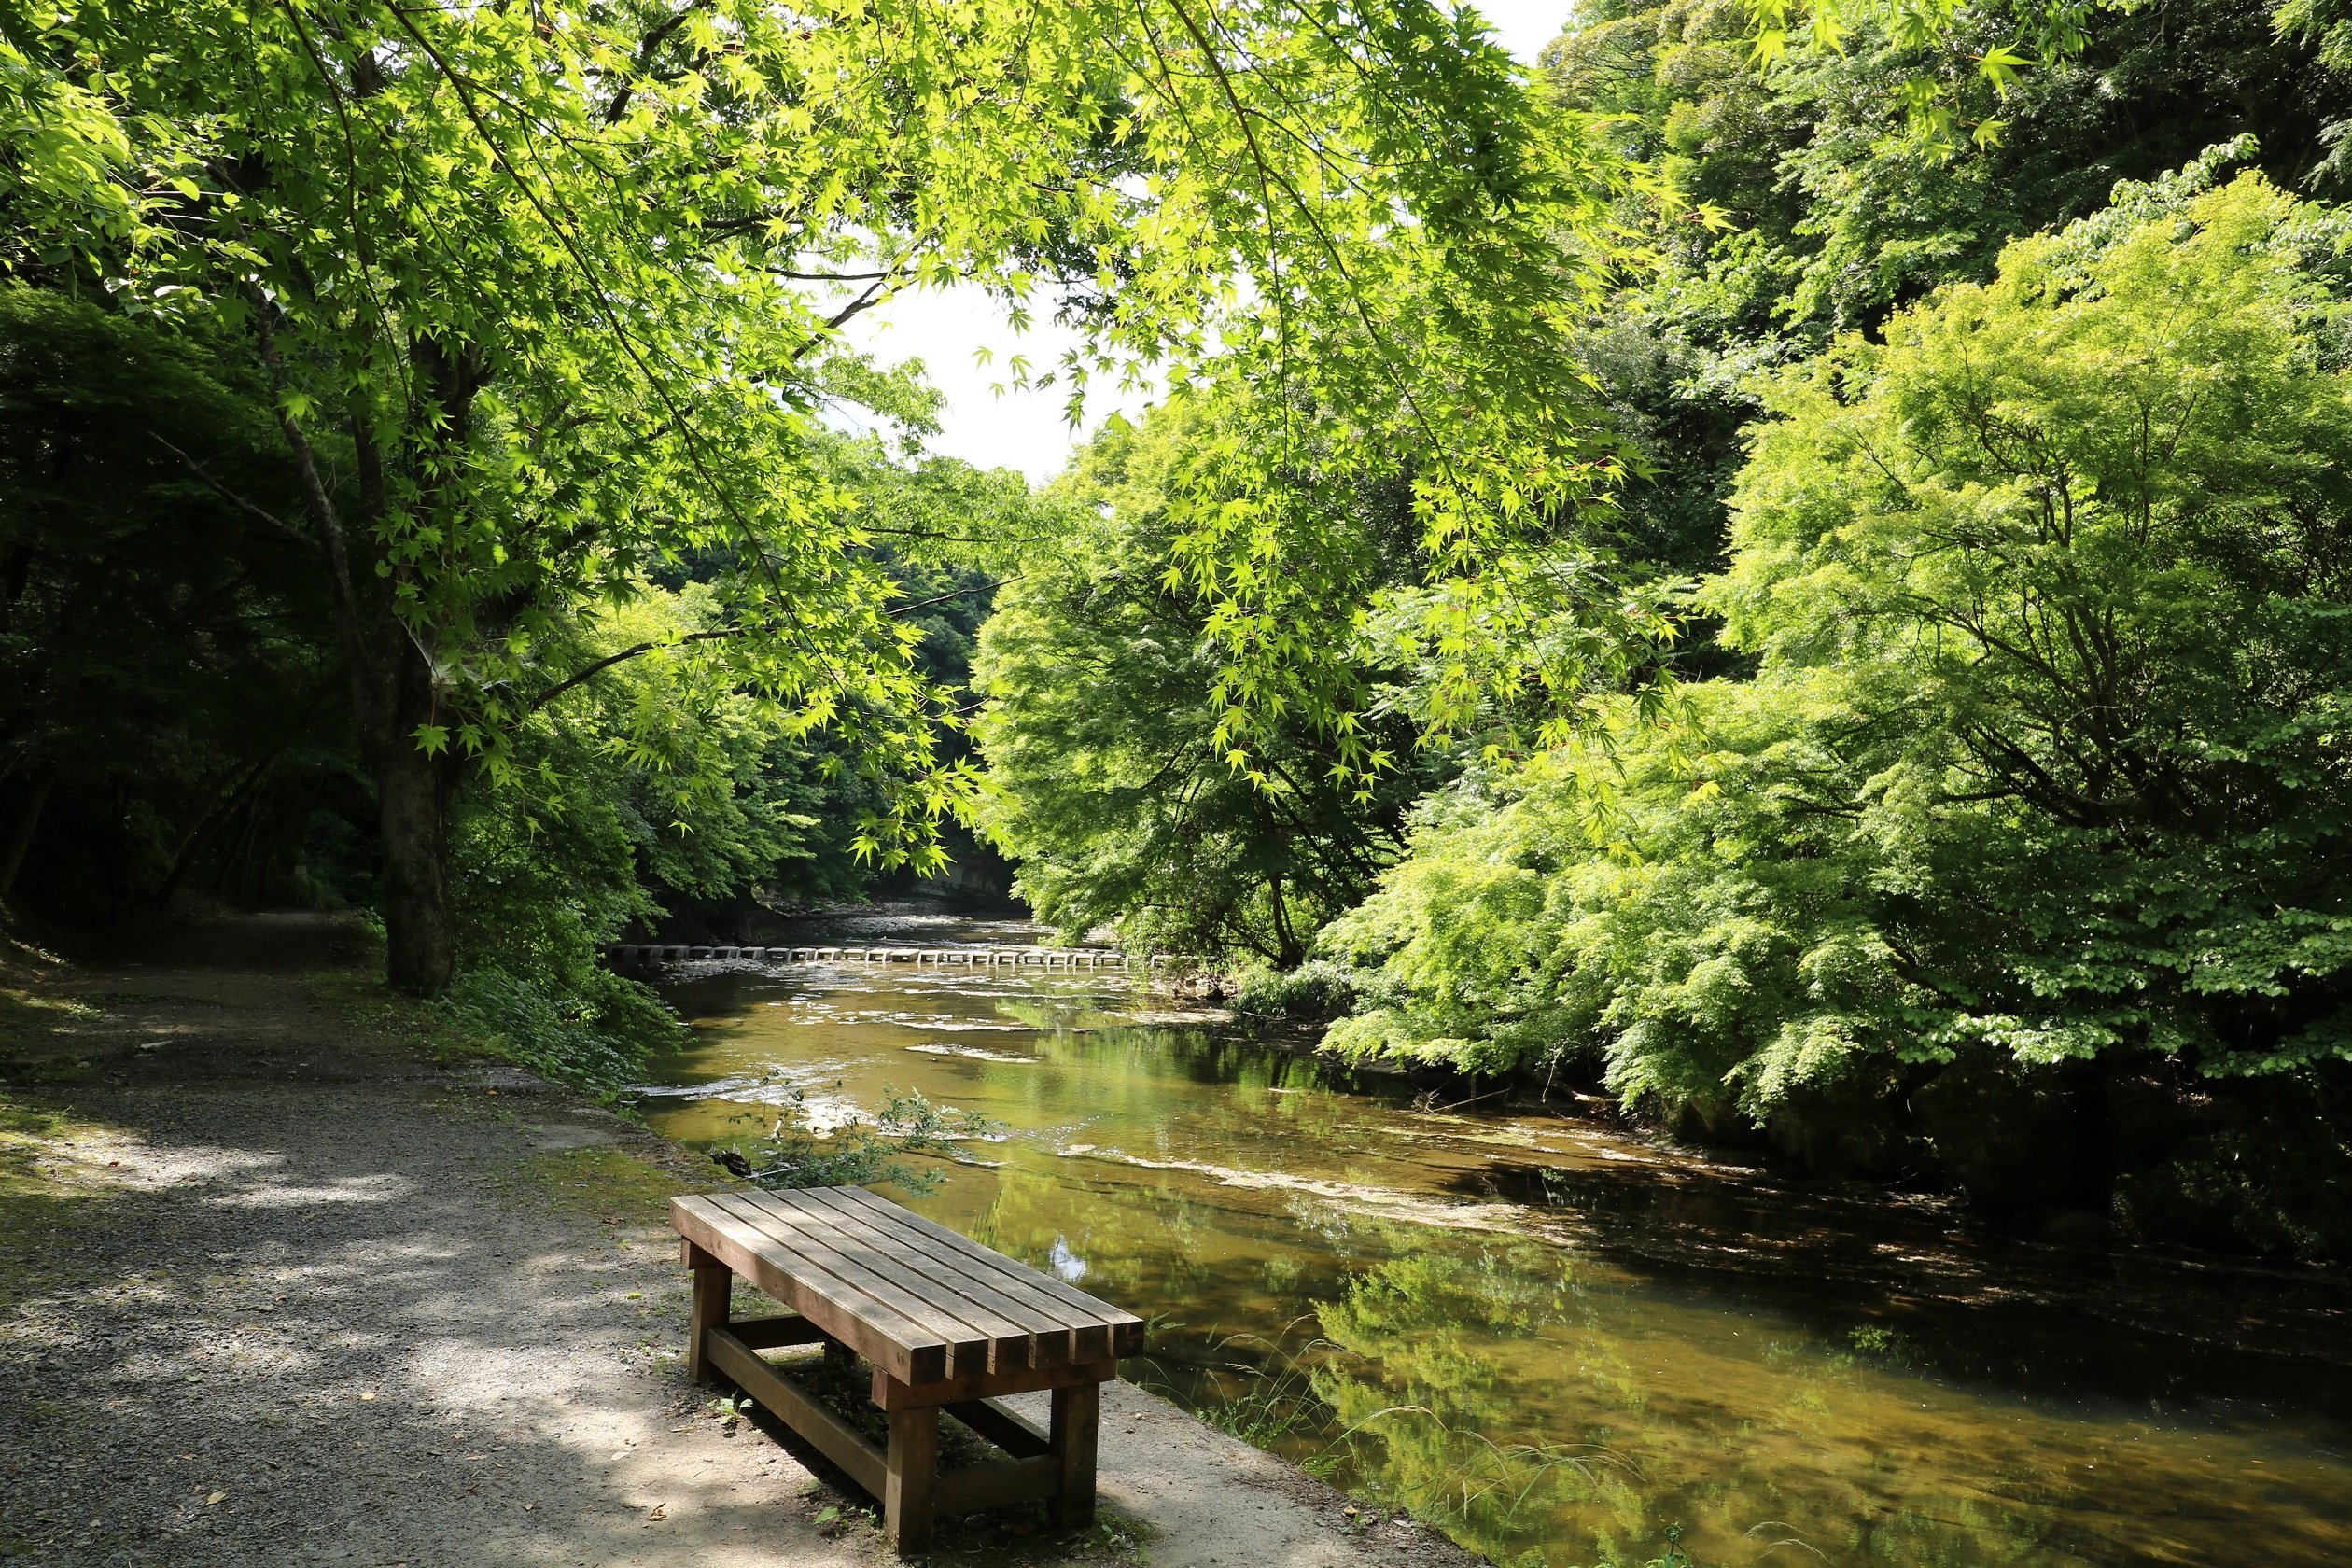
945	1322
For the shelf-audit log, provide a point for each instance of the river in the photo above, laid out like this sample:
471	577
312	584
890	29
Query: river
1551	1341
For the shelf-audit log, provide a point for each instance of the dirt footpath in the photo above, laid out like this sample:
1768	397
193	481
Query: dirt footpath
275	1288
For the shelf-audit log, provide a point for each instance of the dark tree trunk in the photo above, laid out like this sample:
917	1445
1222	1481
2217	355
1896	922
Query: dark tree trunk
28	818
413	791
394	686
393	692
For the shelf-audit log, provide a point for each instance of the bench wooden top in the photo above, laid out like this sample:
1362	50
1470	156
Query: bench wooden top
914	1298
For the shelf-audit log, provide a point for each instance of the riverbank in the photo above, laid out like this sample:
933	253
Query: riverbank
1550	1339
277	1286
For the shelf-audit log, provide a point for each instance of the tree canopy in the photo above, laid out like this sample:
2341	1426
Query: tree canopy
2041	761
545	298
1787	560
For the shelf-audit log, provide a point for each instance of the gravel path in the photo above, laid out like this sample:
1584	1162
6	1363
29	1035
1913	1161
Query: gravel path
283	1293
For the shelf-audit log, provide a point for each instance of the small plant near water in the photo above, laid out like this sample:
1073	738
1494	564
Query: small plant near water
1274	1405
1276	1400
1674	1557
1876	1342
795	1152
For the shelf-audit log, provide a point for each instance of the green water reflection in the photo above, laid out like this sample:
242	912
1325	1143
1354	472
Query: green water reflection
1550	1341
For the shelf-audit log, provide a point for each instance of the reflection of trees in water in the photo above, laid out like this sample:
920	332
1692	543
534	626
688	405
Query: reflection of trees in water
1506	1390
1423	1412
1159	1051
1484	1388
1710	1350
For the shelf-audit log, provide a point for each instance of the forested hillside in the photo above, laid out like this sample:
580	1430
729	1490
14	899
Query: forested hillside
1783	566
1977	819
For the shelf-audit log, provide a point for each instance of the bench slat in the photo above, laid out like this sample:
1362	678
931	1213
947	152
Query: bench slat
1125	1328
1040	1294
1041	1331
1071	1334
1008	1336
972	1301
1077	1304
791	1232
909	1351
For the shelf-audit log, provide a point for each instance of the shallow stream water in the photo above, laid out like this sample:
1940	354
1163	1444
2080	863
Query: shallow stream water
1551	1341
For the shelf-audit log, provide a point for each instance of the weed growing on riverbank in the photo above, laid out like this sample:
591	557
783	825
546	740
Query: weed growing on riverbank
849	1149
489	1015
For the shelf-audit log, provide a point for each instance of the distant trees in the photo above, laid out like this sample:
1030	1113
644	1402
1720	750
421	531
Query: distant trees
543	300
1105	779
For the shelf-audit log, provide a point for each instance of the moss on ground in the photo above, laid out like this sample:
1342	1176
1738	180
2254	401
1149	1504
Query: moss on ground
605	1184
37	1030
381	1011
55	1179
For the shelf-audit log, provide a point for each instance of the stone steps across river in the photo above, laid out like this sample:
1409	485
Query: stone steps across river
978	955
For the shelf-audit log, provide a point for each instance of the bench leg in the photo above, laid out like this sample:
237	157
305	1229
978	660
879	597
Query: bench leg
912	1472
714	1282
1077	1417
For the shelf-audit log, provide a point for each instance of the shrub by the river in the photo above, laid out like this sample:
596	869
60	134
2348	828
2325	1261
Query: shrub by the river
1316	992
593	1034
2043	778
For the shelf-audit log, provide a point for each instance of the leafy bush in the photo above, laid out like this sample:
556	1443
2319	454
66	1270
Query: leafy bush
1316	992
2044	760
593	1033
1108	781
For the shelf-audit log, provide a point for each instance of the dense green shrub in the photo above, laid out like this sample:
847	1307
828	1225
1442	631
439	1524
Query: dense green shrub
2044	755
1107	777
590	1030
1316	992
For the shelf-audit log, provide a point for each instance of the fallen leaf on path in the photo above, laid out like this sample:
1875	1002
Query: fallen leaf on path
660	1510
215	1497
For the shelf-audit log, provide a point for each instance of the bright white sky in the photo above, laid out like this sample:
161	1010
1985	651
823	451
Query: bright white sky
1025	430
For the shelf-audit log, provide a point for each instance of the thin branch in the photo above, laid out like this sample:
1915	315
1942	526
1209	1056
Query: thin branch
646	48
954	594
236	500
589	672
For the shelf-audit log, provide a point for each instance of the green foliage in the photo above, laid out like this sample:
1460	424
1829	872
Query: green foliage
1803	205
1316	992
535	269
587	1028
141	610
795	1153
2043	759
1106	778
721	797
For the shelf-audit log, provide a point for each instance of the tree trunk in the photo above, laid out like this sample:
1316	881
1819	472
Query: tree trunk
413	792
394	686
28	818
420	936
